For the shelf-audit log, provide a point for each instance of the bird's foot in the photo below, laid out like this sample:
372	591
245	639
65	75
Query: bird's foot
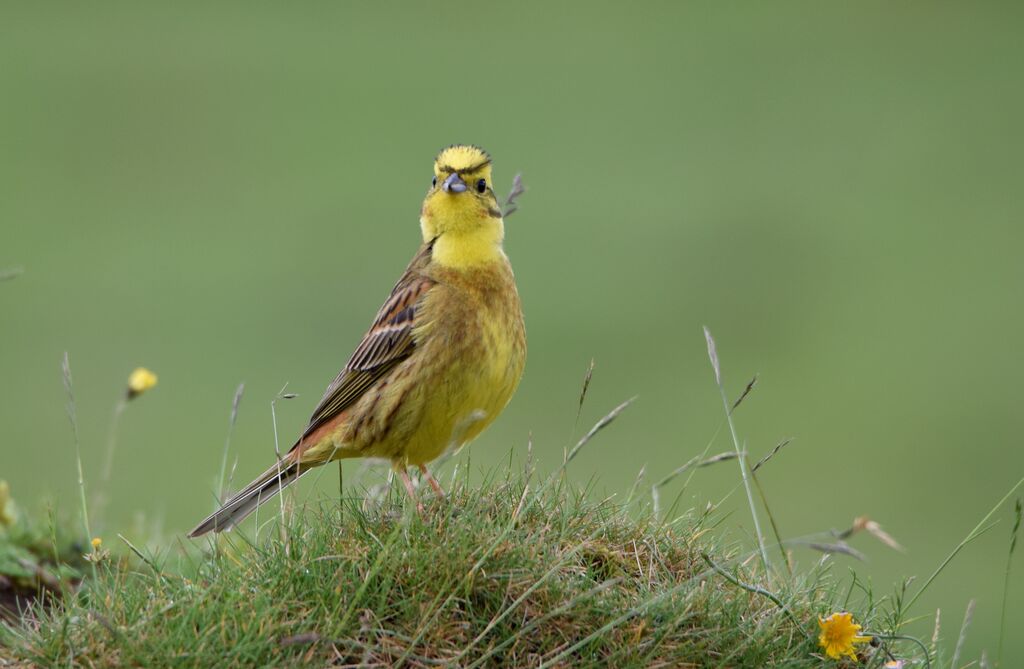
407	482
433	482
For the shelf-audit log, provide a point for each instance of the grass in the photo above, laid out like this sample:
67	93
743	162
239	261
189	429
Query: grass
518	570
515	571
498	575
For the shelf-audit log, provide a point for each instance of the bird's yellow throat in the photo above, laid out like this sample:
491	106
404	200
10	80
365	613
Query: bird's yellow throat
462	249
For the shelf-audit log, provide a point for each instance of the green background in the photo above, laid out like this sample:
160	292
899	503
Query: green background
227	193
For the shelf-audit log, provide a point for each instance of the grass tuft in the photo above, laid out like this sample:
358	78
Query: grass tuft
484	579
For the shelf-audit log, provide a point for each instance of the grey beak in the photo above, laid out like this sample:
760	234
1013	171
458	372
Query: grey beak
453	184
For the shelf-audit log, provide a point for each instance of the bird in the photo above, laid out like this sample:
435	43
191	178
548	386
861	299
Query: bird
441	360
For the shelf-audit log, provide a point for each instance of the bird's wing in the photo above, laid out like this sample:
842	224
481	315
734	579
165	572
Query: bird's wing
388	342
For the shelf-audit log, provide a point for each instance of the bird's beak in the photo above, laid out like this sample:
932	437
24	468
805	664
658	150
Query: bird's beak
453	184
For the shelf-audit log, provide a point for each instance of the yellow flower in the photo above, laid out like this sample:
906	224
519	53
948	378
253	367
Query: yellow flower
7	515
96	542
838	634
139	381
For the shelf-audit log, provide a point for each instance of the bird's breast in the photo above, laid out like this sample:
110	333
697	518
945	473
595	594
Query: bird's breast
474	344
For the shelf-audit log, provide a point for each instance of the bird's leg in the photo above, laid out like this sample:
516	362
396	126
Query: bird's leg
433	484
407	482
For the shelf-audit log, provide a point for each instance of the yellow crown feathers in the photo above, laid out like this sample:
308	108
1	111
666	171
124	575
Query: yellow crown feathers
461	158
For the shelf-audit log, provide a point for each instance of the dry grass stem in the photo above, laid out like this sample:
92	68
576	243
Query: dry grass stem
840	547
73	418
583	392
511	205
713	355
1018	511
962	638
743	395
771	454
604	422
223	483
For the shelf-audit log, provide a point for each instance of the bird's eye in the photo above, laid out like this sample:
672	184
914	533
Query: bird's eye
433	182
481	186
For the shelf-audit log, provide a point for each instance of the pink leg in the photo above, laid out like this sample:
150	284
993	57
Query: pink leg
407	482
433	484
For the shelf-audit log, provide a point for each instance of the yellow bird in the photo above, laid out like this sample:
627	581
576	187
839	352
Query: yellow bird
442	358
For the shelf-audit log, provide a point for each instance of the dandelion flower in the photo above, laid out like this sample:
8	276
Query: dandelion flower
96	543
838	634
139	381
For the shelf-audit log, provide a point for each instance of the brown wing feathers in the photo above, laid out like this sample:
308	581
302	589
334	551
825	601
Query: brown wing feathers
388	342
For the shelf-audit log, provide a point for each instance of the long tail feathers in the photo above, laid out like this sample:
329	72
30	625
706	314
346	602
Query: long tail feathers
245	502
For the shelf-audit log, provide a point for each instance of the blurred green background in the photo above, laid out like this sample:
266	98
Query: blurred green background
227	193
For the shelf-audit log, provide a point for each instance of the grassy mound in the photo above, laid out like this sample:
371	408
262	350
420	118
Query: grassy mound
507	574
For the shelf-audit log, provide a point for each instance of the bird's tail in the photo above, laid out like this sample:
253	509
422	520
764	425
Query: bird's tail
246	501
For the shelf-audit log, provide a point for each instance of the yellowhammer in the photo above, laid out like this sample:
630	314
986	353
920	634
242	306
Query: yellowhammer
442	358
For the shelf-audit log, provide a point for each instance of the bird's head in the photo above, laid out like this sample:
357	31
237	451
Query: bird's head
461	198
